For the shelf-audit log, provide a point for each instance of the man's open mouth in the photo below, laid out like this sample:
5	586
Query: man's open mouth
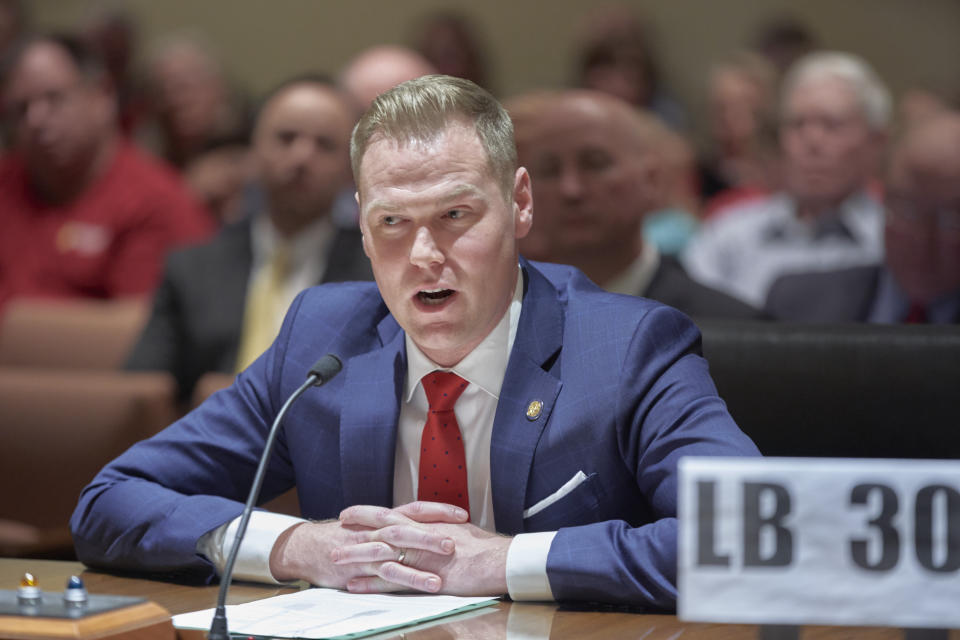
434	296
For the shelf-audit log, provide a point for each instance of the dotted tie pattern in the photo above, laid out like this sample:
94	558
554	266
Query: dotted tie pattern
443	465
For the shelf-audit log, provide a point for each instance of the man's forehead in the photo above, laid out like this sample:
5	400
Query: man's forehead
316	100
824	93
582	116
400	195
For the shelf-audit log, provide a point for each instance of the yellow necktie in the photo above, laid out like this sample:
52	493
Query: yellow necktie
263	308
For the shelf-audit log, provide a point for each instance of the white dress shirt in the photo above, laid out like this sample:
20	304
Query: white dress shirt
744	248
484	368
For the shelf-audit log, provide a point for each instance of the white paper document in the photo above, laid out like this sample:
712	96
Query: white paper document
328	613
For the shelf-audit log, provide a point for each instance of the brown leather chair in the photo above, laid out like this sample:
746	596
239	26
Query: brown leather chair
70	334
58	429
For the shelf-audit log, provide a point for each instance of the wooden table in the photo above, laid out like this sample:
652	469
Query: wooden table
539	620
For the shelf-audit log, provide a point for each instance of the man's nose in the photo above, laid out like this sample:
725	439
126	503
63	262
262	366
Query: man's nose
36	113
301	150
813	134
571	183
425	252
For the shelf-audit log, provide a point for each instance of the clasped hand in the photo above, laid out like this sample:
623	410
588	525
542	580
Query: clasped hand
359	552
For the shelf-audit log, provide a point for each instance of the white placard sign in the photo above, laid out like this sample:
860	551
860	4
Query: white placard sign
820	541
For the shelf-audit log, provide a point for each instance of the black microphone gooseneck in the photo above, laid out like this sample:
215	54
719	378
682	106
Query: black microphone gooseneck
320	373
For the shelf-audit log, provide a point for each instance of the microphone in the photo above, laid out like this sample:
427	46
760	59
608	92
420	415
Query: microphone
320	373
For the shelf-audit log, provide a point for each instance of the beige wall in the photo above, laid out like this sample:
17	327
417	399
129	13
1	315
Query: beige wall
910	41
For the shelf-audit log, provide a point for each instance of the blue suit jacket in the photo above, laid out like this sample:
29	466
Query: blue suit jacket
625	394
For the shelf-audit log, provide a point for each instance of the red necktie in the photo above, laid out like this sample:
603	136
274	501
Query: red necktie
443	465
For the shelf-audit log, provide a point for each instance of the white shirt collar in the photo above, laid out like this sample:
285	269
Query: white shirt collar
635	280
486	365
309	244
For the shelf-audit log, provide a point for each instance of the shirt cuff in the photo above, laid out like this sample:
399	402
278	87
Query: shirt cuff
527	566
253	560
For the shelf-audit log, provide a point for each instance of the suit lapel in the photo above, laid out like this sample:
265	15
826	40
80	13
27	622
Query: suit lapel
232	277
515	436
368	420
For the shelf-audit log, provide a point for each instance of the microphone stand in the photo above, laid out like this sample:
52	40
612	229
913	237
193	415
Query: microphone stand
326	368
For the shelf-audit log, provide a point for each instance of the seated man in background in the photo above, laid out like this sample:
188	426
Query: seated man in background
561	410
920	278
84	213
597	169
833	119
220	304
191	98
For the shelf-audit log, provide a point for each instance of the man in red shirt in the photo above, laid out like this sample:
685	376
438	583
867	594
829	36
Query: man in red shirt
83	213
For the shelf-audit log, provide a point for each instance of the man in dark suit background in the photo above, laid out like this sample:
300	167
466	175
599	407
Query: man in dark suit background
597	169
919	281
572	406
220	304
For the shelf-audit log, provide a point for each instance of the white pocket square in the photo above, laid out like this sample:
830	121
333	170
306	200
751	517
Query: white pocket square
569	486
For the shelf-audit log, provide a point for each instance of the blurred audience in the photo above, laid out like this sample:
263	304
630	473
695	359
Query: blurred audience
784	40
113	34
920	278
379	68
674	222
596	172
192	100
450	43
917	104
742	156
616	56
833	122
85	214
220	177
221	304
13	24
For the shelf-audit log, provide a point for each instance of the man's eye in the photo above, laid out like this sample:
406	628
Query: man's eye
595	160
456	214
389	220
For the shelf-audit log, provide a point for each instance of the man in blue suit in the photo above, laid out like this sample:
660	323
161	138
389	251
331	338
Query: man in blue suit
573	405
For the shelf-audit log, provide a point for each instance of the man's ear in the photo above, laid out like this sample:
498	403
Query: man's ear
364	236
522	203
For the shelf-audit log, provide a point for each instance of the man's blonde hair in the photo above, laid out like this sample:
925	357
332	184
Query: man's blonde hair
420	110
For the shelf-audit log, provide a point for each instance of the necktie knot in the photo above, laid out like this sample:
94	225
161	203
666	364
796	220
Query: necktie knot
443	388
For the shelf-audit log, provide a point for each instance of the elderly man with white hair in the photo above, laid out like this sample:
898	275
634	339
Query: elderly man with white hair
833	119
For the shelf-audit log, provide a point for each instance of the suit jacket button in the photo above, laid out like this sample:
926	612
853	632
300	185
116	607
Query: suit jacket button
534	409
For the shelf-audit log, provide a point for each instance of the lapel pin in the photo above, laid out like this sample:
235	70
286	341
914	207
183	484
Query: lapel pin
534	409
